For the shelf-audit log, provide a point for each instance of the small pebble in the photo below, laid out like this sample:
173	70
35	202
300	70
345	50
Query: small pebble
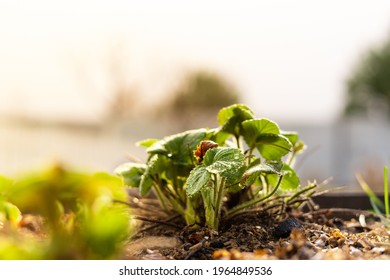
355	252
364	243
323	237
320	243
284	229
379	250
332	242
341	242
216	244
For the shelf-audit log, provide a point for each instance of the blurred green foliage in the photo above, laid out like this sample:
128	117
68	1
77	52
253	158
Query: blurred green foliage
8	211
198	99
368	87
203	90
81	219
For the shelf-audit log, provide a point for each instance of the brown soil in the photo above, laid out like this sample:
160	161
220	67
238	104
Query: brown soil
317	234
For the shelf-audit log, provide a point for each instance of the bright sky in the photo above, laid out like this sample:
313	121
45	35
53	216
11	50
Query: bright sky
288	58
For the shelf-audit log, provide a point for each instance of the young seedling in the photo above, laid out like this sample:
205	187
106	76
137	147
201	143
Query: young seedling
207	174
380	208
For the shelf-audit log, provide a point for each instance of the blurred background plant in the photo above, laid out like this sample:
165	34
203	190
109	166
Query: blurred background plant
368	87
62	214
197	99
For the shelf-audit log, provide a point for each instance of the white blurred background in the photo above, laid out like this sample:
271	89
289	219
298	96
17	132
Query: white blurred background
82	81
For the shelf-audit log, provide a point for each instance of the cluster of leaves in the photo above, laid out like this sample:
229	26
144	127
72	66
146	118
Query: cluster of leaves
81	218
206	174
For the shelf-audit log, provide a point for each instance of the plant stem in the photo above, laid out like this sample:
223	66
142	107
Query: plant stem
249	157
208	197
215	195
265	184
255	201
218	203
160	196
238	141
291	158
386	190
163	198
310	187
178	190
190	213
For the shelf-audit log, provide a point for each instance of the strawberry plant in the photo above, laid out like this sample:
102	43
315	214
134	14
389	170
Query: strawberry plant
207	174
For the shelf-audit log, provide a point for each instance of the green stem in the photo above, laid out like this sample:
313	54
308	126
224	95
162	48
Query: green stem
160	196
386	190
249	157
178	190
176	206
163	199
218	203
207	196
310	187
238	141
254	201
265	184
215	196
291	158
190	214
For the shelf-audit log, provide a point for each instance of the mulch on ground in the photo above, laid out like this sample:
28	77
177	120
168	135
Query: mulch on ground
315	235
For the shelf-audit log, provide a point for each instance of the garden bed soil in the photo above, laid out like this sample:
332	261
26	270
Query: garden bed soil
333	233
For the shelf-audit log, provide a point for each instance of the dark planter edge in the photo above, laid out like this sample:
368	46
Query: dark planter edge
351	201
